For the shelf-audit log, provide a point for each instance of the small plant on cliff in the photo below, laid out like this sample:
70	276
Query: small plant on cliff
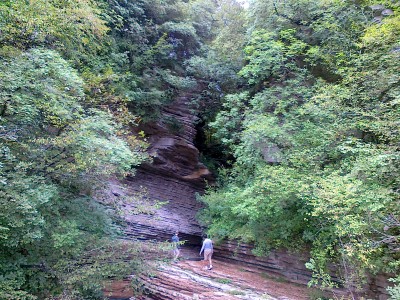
236	292
394	291
223	280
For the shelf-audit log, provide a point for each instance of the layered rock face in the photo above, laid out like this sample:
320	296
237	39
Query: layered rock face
174	177
291	267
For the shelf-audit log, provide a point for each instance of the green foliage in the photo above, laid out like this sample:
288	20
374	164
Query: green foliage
314	138
157	38
59	140
21	222
75	77
394	291
257	212
229	119
68	25
300	98
182	36
223	280
265	58
43	100
219	60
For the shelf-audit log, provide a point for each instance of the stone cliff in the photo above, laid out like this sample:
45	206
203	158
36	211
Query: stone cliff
290	267
174	176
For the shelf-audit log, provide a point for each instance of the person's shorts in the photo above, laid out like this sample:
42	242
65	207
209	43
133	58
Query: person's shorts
207	254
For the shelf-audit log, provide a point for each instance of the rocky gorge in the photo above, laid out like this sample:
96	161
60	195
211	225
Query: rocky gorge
174	177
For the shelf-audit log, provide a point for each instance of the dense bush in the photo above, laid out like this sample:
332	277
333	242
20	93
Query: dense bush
315	137
75	76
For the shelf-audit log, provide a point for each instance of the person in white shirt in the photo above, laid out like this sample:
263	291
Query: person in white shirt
208	251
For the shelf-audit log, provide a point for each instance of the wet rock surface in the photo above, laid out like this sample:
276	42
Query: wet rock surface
188	279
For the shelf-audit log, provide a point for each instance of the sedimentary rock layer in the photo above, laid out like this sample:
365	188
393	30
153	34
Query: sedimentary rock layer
173	177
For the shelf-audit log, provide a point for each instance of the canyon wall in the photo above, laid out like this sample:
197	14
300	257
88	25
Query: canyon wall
174	177
290	266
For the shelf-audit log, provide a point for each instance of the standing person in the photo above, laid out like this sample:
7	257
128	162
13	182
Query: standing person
175	245
208	251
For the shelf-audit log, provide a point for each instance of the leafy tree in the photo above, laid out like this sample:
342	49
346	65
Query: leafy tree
314	138
74	28
75	78
53	144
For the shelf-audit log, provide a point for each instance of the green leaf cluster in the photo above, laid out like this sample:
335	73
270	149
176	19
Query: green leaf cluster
63	132
314	138
75	78
54	146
